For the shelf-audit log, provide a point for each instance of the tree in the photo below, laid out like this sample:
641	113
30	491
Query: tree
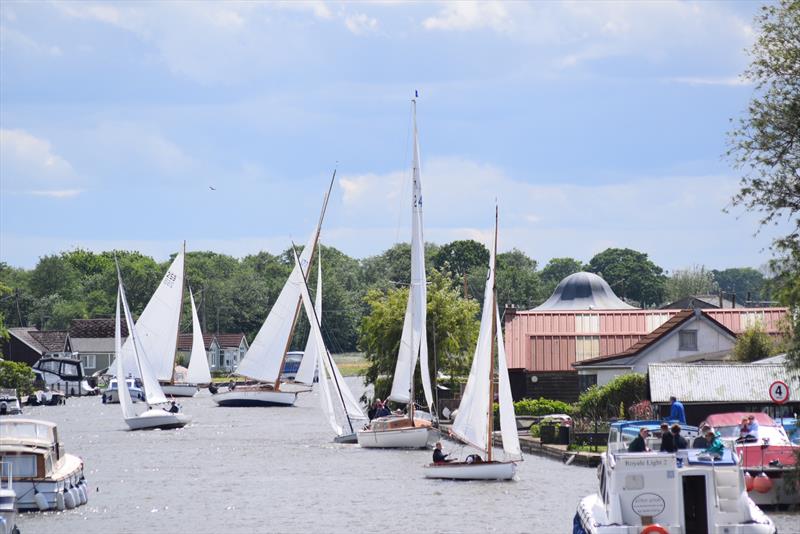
695	280
753	344
17	375
452	329
517	280
741	281
631	275
556	270
765	147
461	256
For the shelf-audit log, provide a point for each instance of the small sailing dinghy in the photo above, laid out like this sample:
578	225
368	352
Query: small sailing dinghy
153	417
474	421
340	406
265	359
409	431
198	372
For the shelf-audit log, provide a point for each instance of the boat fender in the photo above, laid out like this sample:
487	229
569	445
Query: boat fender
60	504
76	494
655	528
41	500
762	483
69	499
748	481
82	497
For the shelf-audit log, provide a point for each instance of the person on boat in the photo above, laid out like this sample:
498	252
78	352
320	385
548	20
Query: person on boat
676	412
667	441
680	441
715	445
744	428
173	408
374	409
212	388
231	385
639	444
700	441
753	425
440	457
383	410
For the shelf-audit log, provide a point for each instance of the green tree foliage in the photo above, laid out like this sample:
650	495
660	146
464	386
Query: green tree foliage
392	268
556	270
695	280
741	281
462	256
631	275
16	375
753	344
607	401
765	147
452	330
517	280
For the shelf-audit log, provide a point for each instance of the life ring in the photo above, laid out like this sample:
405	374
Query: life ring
654	529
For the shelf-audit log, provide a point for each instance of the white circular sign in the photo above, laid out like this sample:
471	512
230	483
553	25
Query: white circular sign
648	504
779	392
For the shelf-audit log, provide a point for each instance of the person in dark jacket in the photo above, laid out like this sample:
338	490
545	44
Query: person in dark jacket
639	444
440	457
383	410
173	408
700	441
667	441
680	441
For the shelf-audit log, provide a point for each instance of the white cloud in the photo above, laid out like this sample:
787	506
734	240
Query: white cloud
29	165
12	38
465	15
731	81
360	24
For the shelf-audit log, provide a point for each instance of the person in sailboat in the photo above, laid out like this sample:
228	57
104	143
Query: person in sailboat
383	410
374	409
212	388
440	457
173	408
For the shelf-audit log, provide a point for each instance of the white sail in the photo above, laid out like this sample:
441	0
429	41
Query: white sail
310	363
508	419
152	390
198	372
122	385
157	327
414	340
264	357
472	420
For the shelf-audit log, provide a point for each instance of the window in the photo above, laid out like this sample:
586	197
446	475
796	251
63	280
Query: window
687	340
587	323
586	347
586	381
89	361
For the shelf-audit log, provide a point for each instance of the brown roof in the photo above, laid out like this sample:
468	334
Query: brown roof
23	333
185	341
229	340
671	324
95	328
51	340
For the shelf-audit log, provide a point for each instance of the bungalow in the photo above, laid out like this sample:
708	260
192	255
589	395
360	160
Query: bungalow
93	340
224	351
184	350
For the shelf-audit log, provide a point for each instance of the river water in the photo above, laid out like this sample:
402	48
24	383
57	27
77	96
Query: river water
277	470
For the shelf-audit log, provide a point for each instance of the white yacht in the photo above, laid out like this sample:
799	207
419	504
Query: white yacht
9	402
657	493
44	476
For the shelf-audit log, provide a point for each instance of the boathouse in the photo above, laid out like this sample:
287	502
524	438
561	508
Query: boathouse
584	320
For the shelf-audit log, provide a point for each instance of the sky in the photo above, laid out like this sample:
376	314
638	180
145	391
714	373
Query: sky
591	124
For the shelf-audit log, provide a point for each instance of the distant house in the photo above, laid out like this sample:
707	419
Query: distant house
702	302
211	345
93	340
687	336
28	344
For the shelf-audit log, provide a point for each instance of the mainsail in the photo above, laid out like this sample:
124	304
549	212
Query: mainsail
472	422
157	327
198	372
265	357
414	341
310	363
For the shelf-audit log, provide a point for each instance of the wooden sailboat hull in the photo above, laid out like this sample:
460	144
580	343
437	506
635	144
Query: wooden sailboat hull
179	390
400	438
242	397
157	418
473	471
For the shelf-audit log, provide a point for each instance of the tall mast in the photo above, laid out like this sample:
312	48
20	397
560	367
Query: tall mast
491	345
414	206
310	259
180	314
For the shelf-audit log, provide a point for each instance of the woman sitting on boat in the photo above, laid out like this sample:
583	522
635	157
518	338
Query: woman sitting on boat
715	446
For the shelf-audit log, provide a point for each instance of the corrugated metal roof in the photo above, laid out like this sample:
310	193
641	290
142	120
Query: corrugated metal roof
718	383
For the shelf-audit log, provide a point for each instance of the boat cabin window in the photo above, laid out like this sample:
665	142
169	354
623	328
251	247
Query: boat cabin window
69	369
23	465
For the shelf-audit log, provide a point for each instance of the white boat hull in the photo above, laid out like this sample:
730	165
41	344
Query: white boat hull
399	438
69	475
474	471
179	390
243	397
157	418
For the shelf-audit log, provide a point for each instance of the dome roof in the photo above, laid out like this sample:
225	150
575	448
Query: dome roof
583	291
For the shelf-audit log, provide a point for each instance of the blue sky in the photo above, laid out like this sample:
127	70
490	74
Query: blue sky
593	124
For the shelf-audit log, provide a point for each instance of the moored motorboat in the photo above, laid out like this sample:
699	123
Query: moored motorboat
43	475
111	394
8	501
767	456
9	402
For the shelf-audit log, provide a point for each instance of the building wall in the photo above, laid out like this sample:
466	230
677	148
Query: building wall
98	361
15	350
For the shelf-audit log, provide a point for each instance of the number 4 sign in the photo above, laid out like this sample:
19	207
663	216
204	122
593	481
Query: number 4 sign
779	392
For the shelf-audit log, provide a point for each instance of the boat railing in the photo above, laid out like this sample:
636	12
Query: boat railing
6	475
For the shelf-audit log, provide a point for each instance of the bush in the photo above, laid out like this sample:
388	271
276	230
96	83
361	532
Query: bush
16	375
613	398
535	431
542	406
753	344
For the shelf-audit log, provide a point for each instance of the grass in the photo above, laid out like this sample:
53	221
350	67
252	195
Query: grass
351	363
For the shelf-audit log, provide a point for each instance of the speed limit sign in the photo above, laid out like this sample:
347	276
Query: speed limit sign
779	392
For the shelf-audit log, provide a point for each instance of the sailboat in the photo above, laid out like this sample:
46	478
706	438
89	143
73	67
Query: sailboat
265	359
198	372
474	422
158	328
409	431
342	410
153	417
